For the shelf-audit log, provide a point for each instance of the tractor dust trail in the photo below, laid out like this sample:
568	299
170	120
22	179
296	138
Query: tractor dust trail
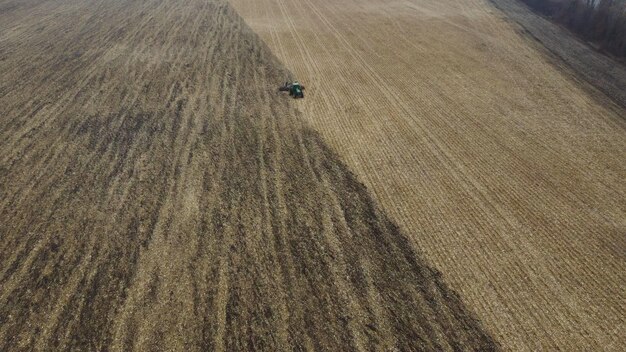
158	194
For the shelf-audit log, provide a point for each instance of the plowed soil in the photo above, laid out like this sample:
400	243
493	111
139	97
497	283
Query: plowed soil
502	164
157	193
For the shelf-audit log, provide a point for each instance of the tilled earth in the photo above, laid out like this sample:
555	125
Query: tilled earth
157	193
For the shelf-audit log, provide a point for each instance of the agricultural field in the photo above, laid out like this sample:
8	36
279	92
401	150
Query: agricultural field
505	169
157	193
446	183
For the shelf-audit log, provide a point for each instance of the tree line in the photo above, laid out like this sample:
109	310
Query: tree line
602	22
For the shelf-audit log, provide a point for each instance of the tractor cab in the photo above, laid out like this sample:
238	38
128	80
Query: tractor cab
295	89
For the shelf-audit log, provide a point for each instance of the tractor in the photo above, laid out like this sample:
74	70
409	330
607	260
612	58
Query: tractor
294	88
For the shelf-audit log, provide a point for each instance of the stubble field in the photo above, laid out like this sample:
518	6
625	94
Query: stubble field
157	193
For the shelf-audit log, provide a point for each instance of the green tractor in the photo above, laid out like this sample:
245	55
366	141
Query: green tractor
294	88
